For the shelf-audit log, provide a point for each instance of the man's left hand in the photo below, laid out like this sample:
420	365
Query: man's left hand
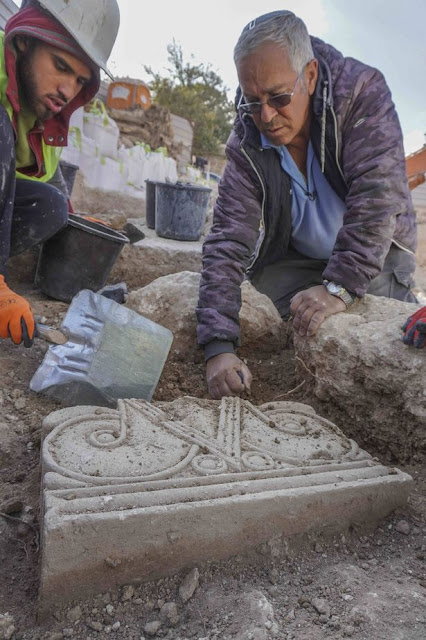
311	307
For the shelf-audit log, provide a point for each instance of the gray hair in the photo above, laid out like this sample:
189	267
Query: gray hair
282	27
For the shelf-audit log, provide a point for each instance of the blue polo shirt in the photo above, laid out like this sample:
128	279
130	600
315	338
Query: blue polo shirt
316	209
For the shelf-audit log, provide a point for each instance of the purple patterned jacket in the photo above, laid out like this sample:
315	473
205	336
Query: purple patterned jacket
357	138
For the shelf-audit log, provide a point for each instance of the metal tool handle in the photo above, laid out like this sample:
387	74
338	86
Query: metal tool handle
50	334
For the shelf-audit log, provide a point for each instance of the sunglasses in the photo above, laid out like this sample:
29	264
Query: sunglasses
279	101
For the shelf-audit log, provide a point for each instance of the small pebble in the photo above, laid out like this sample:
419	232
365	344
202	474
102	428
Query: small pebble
95	625
74	614
21	403
403	527
128	593
274	576
151	628
321	606
189	585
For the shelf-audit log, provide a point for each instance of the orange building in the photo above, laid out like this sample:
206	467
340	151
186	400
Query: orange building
416	167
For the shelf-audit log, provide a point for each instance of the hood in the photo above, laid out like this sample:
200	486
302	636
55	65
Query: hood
35	22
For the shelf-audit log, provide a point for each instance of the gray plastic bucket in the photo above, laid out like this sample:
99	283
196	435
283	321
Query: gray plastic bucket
80	256
150	203
180	210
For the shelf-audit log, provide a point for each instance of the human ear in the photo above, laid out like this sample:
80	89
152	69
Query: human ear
22	44
312	75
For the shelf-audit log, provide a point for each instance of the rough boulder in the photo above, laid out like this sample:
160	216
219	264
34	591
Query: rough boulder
359	364
171	301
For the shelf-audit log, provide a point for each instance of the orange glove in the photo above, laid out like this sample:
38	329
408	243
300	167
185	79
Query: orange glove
16	318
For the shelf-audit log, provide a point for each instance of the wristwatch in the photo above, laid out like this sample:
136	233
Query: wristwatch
339	291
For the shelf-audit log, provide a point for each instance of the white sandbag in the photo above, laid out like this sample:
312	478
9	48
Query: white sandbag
171	170
89	160
71	153
134	192
112	174
98	126
76	120
194	175
155	167
134	160
101	172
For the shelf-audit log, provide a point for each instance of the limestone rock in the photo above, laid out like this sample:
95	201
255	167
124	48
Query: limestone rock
321	605
128	593
151	489
189	585
402	526
258	616
252	613
258	316
7	626
361	365
74	614
152	628
171	301
169	613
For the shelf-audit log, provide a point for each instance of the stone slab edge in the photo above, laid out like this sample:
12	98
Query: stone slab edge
96	542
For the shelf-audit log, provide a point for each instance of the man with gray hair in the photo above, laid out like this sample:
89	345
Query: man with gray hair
313	207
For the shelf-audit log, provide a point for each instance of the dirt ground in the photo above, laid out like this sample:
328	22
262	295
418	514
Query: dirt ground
363	584
360	585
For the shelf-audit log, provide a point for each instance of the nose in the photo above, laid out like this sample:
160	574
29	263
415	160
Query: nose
267	113
68	88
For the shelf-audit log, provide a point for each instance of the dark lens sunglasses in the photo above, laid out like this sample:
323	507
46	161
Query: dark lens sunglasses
279	101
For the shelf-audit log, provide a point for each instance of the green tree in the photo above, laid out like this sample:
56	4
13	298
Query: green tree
197	93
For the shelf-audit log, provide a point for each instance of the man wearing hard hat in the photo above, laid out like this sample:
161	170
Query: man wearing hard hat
51	53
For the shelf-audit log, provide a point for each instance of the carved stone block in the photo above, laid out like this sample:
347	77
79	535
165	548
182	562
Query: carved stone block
143	491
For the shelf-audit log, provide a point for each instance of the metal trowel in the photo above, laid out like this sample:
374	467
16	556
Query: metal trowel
103	351
50	334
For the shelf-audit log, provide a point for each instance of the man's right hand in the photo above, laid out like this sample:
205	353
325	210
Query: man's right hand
16	318
227	375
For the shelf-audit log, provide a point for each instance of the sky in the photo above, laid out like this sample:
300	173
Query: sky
387	34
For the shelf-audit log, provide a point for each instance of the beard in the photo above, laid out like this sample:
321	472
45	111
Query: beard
28	90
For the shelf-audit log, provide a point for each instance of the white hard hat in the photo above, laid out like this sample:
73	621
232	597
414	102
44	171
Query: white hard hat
92	23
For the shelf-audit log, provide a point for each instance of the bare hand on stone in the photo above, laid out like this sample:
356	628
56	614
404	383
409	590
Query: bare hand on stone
311	307
227	375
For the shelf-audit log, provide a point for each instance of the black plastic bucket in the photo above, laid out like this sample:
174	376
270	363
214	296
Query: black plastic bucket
180	210
150	203
68	171
80	256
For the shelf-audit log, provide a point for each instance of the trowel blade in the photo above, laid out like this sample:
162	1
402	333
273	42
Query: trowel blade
111	349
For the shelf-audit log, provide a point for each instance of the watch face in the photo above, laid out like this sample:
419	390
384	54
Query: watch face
333	288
